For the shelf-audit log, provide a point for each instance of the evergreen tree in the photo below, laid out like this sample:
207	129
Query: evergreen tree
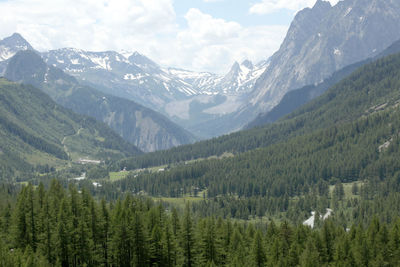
258	251
187	239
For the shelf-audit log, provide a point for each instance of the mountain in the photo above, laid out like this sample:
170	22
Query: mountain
194	100
128	75
141	126
296	98
11	45
35	131
239	80
324	39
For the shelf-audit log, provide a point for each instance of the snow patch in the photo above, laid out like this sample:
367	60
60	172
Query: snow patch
5	53
102	62
385	145
310	221
95	184
75	61
130	76
337	52
348	11
166	87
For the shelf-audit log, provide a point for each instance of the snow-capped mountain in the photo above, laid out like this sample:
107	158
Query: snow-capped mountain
242	77
201	82
129	75
186	97
9	47
239	80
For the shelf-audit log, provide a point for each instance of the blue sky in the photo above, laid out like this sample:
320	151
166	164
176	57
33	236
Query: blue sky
200	35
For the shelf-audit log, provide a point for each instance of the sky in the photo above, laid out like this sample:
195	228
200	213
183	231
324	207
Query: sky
199	35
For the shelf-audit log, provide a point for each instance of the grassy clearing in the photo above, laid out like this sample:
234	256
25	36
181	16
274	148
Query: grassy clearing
116	176
180	202
347	187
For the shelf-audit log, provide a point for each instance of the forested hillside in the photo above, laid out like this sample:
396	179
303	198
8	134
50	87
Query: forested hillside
37	134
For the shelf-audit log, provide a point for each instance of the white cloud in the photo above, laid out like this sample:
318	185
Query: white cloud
88	24
214	44
271	6
147	26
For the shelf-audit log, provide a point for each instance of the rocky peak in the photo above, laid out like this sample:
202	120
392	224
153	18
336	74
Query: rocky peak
142	61
11	45
16	41
248	64
324	39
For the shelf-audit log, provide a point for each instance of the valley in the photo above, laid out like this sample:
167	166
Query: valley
111	159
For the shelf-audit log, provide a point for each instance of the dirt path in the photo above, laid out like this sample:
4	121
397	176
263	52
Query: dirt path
64	139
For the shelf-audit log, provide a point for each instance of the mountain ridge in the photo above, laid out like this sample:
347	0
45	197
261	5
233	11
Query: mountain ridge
141	126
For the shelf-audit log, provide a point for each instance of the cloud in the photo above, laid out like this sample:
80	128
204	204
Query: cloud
271	6
94	24
204	43
208	40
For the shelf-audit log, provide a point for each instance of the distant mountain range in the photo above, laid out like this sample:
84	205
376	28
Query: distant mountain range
189	98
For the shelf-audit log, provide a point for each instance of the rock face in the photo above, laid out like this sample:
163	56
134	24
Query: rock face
296	98
141	126
324	39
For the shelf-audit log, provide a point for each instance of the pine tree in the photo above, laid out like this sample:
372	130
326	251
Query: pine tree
169	245
104	232
156	256
310	256
20	224
63	235
139	241
258	252
31	211
187	238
